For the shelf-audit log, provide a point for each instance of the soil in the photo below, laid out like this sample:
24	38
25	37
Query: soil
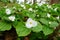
10	35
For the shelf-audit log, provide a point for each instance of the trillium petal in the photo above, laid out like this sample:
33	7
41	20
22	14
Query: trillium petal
49	22
11	0
30	9
28	25
57	17
20	1
29	19
49	6
34	23
48	15
55	9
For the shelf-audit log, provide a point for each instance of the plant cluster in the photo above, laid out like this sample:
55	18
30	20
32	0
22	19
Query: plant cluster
30	17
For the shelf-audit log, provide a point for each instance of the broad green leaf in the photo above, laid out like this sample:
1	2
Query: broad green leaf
27	6
43	14
28	13
4	26
2	12
22	30
47	30
54	24
44	21
38	28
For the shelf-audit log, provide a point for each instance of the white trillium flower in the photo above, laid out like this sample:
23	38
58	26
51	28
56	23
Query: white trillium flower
37	15
30	9
48	15
43	2
38	1
8	11
23	6
31	23
49	22
20	1
49	6
12	18
57	17
39	4
11	0
55	9
29	1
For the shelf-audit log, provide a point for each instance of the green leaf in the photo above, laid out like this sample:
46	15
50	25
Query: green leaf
18	38
22	30
4	1
2	12
27	6
54	24
44	21
47	30
59	20
4	26
38	28
43	14
28	13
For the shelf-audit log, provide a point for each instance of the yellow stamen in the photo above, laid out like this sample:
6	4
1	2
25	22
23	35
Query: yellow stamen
30	22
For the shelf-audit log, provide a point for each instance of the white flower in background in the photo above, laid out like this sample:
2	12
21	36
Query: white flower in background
11	0
41	3
55	9
29	1
8	11
30	9
38	1
12	18
37	15
31	23
49	6
49	22
57	17
20	1
23	6
48	15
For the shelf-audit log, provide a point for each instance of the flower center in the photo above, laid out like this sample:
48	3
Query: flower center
30	22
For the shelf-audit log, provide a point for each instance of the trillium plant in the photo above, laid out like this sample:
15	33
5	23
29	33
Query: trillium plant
31	23
30	17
